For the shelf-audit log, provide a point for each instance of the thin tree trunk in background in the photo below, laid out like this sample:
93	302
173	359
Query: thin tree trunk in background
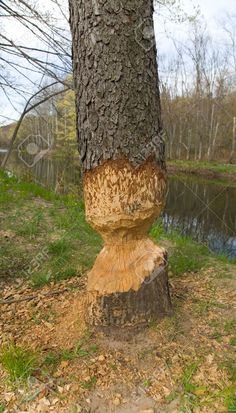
189	144
214	140
233	141
200	149
170	145
211	133
180	140
122	157
195	152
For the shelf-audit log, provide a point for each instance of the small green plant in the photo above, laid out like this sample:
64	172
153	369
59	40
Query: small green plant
82	353
216	336
226	259
75	409
180	262
230	327
2	407
17	361
38	280
202	307
65	274
230	399
93	348
157	231
30	227
51	359
187	375
172	396
59	248
230	366
147	383
67	355
233	341
89	384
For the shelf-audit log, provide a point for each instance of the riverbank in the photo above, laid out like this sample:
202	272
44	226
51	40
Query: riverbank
208	170
184	364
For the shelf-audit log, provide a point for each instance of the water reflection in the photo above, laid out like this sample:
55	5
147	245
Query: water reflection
60	175
203	210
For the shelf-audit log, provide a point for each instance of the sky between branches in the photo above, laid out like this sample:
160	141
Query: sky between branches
212	11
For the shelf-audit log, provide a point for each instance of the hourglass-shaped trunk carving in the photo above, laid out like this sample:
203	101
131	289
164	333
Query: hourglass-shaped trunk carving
122	156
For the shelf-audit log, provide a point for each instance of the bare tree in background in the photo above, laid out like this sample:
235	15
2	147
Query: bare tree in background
42	56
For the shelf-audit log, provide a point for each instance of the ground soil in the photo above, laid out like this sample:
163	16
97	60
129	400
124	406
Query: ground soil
175	366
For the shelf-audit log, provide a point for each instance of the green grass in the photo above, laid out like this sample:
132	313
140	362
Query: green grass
212	166
65	274
185	255
225	259
181	262
202	307
47	222
18	361
14	189
59	248
51	359
89	384
188	396
39	280
147	382
82	350
2	407
30	225
230	366
229	395
230	326
187	375
233	341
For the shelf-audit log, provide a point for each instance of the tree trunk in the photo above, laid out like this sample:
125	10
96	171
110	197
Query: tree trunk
122	156
233	141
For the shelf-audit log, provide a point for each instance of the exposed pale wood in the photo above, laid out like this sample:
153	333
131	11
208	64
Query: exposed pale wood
121	203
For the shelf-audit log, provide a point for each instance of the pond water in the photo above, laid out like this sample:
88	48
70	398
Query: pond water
204	210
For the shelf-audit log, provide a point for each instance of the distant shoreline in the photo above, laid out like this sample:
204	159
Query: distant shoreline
207	170
203	169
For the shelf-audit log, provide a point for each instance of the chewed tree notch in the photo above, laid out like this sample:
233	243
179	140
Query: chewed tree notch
122	156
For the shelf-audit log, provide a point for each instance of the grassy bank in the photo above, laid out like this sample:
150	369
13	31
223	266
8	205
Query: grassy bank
44	235
205	169
49	358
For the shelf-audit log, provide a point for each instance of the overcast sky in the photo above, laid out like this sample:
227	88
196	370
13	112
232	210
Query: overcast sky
211	10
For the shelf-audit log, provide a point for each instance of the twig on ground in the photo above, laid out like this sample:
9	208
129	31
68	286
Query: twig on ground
32	297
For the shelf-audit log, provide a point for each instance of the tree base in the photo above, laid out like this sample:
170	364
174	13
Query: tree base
150	302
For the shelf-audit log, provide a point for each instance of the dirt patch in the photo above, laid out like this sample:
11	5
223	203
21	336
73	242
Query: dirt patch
167	367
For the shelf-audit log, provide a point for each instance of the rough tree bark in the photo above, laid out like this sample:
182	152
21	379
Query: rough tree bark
122	156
